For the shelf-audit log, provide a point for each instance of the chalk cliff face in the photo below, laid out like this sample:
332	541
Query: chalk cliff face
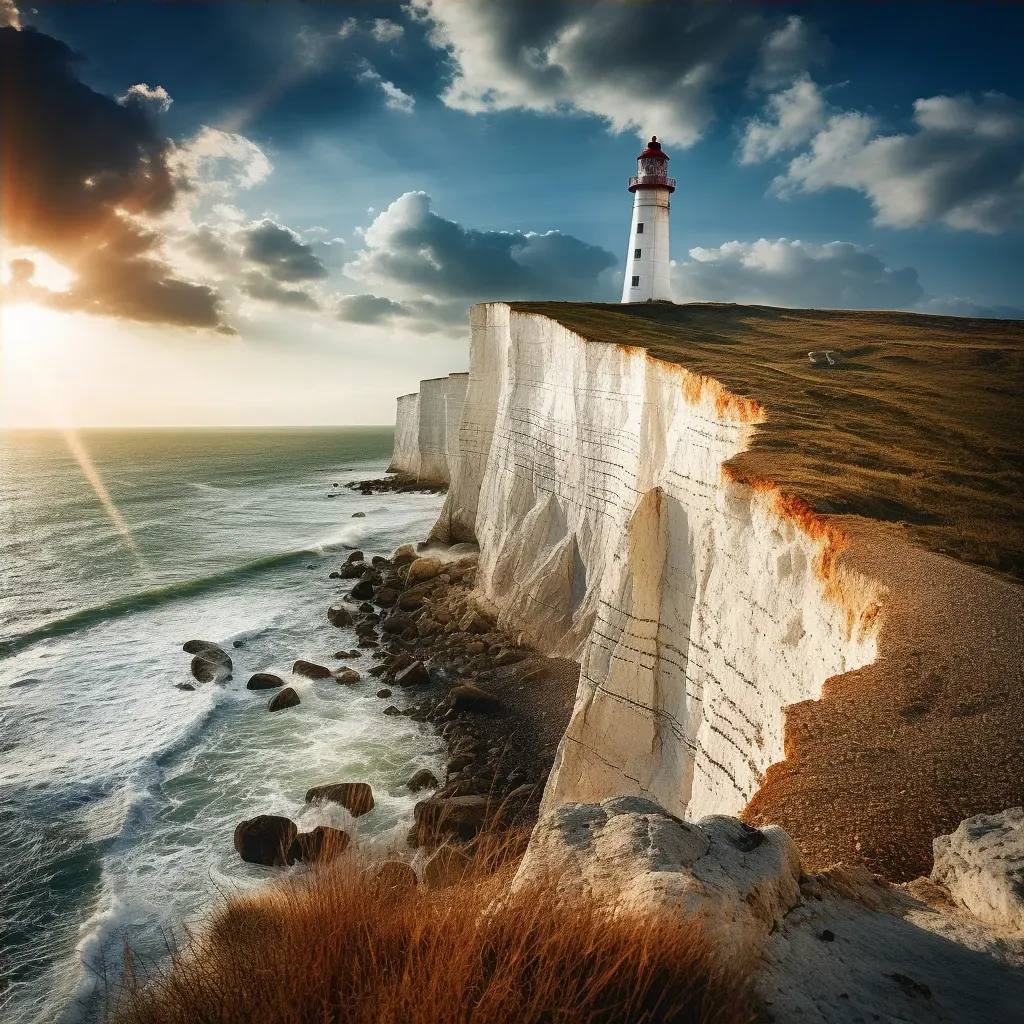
426	429
406	457
591	475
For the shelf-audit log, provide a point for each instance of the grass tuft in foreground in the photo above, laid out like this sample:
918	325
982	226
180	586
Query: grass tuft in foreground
334	948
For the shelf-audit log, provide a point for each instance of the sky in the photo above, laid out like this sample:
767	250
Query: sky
270	214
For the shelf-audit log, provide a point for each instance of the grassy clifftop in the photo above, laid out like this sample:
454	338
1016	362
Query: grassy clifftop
921	422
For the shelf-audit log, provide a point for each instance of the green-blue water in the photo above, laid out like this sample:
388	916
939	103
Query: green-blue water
119	792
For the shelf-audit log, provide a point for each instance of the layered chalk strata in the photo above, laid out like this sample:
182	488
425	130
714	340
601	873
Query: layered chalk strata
591	475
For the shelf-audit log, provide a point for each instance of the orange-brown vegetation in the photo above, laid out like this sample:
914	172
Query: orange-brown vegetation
920	423
334	948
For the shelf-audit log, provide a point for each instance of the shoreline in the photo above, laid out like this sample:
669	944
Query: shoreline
438	658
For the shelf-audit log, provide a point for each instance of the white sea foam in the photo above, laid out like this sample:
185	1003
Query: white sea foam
126	788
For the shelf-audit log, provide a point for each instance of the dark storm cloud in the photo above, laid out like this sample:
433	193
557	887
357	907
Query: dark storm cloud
78	167
410	245
421	316
286	257
259	286
370	309
645	66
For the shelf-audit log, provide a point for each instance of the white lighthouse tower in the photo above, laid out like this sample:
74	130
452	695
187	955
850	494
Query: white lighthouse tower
647	269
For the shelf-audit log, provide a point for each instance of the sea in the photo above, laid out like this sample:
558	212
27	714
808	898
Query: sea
119	790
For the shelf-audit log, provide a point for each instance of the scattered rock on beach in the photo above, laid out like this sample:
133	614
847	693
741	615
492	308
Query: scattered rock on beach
347	675
185	686
362	590
473	622
264	681
448	866
384	693
286	698
389	878
423	779
201	647
355	797
391	710
355	556
414	675
358	515
404	555
457	817
467	697
266	839
338	615
310	670
396	623
423	569
321	844
211	666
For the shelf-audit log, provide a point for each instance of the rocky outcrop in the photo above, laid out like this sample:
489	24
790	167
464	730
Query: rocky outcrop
608	531
629	852
284	699
264	681
426	429
355	797
982	866
842	946
267	839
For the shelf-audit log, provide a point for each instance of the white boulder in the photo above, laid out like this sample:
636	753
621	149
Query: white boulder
982	866
631	852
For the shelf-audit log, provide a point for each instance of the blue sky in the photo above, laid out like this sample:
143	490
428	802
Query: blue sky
344	180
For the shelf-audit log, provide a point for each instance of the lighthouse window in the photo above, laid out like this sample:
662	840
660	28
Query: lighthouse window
639	229
636	253
636	282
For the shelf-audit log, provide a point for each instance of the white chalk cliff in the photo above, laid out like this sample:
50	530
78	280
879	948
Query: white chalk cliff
591	476
427	428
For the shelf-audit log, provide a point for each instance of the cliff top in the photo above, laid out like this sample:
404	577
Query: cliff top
920	422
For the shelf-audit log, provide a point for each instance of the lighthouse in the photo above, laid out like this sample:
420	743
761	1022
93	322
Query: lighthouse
647	269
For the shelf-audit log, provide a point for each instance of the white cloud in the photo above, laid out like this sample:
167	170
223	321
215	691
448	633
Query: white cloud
394	98
784	272
156	98
794	115
9	16
220	163
962	164
648	68
385	31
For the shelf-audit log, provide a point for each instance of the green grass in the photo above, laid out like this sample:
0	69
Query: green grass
921	424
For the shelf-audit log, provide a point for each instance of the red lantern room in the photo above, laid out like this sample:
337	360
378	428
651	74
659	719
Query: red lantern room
652	168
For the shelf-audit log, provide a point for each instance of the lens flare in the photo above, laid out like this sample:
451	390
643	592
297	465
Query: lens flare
31	373
92	475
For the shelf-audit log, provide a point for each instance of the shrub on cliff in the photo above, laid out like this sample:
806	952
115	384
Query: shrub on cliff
328	949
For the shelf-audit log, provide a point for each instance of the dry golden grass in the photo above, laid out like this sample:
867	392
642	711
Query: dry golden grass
332	950
921	424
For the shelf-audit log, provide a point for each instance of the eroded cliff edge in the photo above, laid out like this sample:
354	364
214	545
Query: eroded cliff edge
710	607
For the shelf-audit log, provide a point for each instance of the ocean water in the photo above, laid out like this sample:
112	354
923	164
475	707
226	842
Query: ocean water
119	792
